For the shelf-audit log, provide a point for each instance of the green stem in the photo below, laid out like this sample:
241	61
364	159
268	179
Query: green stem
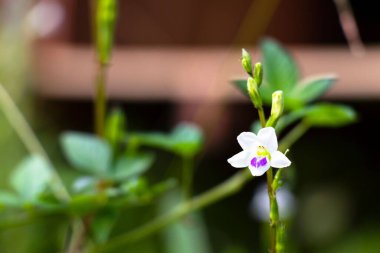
225	189
28	137
187	176
294	135
261	116
100	100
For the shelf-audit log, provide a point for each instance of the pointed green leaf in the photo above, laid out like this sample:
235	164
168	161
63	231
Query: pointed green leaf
129	166
330	115
280	70
31	177
185	139
87	152
312	88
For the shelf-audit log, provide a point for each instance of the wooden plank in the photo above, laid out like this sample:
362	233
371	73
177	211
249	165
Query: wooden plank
190	74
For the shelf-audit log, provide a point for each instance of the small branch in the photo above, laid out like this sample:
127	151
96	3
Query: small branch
30	140
225	189
350	27
187	176
294	135
100	100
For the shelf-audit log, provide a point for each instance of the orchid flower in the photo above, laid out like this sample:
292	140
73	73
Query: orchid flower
259	152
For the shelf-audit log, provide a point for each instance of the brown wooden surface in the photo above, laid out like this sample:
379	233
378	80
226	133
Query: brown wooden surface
198	74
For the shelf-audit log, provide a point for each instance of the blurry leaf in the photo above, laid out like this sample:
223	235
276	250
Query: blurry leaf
280	70
330	115
135	186
86	152
290	118
186	139
8	199
128	166
256	126
115	125
31	177
102	224
312	88
187	235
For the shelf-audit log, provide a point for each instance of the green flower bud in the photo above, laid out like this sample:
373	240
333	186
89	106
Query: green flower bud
277	107
115	127
246	61
258	73
106	12
254	94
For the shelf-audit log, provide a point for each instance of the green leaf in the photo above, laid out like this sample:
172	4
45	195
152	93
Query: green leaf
87	152
8	199
312	88
102	224
280	70
31	177
185	140
115	125
290	118
129	166
330	115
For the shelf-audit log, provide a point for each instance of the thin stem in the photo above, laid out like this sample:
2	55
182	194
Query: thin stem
261	116
296	133
350	27
100	100
223	190
272	214
77	237
187	176
29	139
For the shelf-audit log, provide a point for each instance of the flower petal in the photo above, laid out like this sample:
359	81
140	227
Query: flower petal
279	160
240	160
267	136
248	140
258	171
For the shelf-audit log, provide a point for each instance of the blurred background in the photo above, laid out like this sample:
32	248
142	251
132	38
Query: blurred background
173	61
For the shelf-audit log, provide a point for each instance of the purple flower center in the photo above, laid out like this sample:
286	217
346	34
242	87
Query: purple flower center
259	162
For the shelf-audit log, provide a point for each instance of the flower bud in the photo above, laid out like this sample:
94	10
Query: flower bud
254	94
246	61
106	12
277	107
258	73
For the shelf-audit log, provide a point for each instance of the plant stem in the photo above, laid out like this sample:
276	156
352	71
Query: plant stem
261	116
294	135
100	100
187	176
30	140
225	189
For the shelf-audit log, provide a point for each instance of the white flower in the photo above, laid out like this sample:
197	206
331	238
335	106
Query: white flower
259	152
